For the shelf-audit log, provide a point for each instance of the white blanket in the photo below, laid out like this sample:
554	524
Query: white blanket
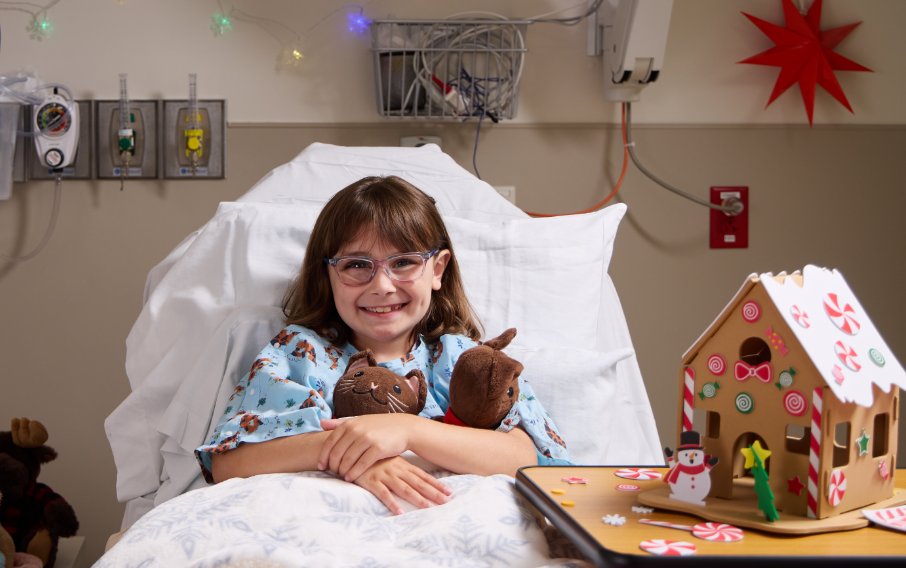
316	519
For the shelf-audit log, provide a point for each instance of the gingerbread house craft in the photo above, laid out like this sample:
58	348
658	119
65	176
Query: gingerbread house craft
795	363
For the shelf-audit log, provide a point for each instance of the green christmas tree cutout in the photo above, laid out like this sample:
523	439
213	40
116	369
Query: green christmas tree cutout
755	458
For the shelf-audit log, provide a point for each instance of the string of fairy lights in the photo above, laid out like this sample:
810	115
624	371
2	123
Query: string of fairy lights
222	23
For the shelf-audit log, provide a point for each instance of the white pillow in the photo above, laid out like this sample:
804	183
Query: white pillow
597	415
542	276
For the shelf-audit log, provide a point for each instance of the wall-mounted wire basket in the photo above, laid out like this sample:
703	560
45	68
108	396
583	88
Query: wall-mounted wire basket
448	69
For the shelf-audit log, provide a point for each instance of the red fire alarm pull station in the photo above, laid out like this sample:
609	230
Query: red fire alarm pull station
729	231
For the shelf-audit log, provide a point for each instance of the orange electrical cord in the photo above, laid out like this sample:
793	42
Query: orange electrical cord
616	187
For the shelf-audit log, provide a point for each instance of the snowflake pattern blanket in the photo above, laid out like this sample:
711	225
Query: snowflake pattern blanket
315	519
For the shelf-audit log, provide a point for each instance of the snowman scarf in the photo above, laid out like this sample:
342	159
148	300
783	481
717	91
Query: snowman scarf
679	468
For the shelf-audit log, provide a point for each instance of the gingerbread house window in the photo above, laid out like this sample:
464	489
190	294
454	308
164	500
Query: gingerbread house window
754	351
798	439
841	444
879	436
712	425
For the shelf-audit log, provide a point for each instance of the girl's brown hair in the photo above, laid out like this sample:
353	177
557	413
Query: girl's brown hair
402	216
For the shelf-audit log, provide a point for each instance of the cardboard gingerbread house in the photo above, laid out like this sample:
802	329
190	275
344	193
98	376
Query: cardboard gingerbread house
794	362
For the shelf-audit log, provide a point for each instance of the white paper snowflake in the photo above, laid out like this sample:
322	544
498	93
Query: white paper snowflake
615	520
642	510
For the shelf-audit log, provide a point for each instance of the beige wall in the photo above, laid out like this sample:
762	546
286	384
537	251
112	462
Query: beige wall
830	196
700	80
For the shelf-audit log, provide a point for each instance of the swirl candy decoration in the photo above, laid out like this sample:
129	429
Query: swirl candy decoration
662	547
794	402
744	402
876	357
743	371
639	473
847	355
717	365
709	390
717	532
843	316
800	316
751	311
836	488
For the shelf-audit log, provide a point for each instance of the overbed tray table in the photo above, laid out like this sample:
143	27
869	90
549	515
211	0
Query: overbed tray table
607	545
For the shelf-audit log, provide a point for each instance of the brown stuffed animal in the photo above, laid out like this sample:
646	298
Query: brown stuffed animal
7	546
366	388
31	512
484	385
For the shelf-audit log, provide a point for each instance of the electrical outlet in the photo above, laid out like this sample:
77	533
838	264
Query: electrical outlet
729	231
507	191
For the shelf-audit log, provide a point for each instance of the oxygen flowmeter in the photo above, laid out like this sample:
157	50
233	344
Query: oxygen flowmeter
56	121
194	134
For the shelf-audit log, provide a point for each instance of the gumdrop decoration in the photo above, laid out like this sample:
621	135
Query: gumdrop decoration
805	55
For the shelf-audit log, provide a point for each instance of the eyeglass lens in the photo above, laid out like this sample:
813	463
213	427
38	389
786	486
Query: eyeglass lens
359	270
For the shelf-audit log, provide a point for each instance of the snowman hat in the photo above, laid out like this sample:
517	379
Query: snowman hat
690	440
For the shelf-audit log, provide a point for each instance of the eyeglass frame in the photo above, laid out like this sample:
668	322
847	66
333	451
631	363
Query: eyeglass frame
375	263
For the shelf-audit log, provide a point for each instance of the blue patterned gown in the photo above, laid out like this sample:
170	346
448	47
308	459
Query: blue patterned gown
291	385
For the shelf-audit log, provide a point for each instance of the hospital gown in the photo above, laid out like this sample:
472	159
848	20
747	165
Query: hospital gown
291	384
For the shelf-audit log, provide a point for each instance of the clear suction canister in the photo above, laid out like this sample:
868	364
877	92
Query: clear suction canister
9	121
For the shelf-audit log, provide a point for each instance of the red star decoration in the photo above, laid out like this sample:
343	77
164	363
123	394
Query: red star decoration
796	485
805	55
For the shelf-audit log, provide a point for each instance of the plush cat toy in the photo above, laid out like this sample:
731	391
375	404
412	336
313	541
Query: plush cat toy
366	388
484	385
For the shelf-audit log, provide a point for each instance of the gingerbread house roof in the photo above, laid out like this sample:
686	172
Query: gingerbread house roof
830	323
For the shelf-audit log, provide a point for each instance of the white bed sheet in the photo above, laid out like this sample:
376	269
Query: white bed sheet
212	303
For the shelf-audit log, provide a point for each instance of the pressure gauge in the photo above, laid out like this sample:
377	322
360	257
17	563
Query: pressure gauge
56	122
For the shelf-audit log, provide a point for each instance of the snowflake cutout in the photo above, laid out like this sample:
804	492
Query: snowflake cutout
615	520
642	510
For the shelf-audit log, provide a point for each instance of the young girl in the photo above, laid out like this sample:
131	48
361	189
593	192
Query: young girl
379	273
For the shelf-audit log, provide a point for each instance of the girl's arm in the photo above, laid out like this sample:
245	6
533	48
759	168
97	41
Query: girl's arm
289	454
357	443
385	479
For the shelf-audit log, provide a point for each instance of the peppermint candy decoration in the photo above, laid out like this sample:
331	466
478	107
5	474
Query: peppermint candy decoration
838	374
843	316
751	311
639	473
744	402
836	488
795	403
662	547
847	355
717	365
876	357
786	377
628	487
800	316
709	390
717	532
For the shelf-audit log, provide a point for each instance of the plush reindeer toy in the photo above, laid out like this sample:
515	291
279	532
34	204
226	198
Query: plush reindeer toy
484	385
366	388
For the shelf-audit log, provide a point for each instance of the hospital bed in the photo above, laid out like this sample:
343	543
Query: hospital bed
214	301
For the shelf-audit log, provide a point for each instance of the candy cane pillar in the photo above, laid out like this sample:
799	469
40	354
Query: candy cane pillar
814	453
688	397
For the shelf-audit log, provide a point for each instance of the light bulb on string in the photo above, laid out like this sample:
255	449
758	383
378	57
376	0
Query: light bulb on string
220	24
291	55
39	27
358	23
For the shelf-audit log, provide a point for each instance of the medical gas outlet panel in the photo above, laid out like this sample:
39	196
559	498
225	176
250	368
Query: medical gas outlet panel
128	139
194	139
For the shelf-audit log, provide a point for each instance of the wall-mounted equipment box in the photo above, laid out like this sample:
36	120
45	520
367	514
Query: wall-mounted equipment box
181	139
144	121
20	164
84	164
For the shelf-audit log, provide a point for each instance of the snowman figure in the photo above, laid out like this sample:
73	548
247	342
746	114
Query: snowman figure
690	470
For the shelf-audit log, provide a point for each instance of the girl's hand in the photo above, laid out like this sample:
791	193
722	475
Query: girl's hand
396	476
357	443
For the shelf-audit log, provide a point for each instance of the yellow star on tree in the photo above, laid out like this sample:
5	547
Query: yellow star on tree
756	448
